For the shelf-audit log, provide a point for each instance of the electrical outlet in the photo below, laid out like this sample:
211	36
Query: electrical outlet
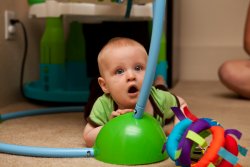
9	29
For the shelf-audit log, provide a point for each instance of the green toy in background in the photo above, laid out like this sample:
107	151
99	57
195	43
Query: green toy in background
52	56
61	64
76	64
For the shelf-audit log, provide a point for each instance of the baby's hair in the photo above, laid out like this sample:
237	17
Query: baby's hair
118	42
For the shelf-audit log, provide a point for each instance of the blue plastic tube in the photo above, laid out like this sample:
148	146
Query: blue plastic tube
158	20
45	151
41	111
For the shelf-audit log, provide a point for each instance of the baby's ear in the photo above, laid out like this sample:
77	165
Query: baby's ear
103	85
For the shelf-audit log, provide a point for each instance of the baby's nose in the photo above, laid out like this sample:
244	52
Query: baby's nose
130	75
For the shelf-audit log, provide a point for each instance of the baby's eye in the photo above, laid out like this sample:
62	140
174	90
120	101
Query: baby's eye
119	71
138	68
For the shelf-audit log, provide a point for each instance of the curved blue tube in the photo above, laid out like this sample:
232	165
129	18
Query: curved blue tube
158	20
33	112
45	151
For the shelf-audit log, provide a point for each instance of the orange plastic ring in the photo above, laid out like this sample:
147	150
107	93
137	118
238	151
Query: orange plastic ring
211	154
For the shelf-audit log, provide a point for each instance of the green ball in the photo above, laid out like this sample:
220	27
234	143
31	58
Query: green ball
130	141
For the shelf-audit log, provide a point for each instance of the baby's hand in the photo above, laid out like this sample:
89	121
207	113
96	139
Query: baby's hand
120	112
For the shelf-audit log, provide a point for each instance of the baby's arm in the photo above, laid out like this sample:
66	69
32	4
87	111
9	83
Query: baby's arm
90	133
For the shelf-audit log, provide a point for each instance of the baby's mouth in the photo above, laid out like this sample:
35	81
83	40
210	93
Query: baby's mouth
132	89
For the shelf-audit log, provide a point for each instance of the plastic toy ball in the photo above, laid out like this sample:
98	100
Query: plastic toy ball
188	139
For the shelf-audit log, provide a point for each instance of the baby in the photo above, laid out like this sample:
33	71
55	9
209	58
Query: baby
122	64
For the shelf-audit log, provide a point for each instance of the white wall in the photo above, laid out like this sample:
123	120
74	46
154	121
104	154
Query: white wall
11	52
206	33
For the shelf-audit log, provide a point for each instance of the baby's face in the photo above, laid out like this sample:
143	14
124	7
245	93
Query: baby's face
123	71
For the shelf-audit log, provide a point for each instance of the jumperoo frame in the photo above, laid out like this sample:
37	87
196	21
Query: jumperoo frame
158	19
